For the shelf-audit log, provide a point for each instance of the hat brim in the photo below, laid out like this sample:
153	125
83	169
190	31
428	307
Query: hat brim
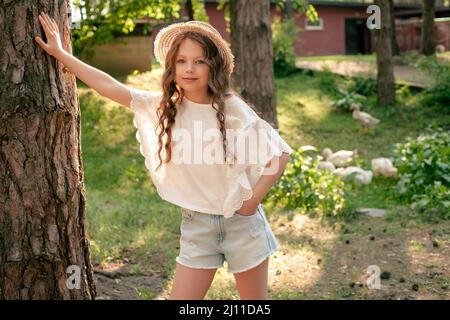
167	35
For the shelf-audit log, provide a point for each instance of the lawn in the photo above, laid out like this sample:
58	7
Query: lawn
337	58
134	234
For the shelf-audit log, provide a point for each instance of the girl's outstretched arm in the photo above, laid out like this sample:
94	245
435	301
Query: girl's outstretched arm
98	80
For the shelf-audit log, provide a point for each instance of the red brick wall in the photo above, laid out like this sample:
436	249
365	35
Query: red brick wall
409	31
217	20
329	41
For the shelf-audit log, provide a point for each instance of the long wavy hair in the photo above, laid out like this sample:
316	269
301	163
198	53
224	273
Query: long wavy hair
219	88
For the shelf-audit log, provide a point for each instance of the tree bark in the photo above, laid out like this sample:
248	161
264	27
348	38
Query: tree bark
190	10
42	193
251	42
427	39
395	48
385	66
235	45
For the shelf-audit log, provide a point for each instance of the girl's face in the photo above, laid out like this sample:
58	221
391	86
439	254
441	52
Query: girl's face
191	70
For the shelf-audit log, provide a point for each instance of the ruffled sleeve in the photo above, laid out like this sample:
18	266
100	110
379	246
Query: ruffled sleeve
144	104
263	143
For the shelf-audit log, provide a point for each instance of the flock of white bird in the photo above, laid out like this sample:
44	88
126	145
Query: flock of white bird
339	163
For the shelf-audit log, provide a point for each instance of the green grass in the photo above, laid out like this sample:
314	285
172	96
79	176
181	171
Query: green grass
359	57
124	210
126	217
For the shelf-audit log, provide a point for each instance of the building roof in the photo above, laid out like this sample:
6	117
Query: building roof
357	4
440	12
343	3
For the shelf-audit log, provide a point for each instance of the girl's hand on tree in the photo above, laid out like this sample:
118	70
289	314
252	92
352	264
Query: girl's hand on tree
53	45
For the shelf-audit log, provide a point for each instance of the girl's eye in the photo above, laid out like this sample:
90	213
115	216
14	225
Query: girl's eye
179	61
200	61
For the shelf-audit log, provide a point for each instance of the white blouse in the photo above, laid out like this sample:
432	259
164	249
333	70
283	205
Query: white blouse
197	178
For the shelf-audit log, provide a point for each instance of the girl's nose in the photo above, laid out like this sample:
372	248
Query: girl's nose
189	66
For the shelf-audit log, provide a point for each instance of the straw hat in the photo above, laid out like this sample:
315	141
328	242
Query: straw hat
165	37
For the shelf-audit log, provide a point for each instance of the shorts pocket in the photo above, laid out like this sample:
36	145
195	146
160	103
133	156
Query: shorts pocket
257	226
255	222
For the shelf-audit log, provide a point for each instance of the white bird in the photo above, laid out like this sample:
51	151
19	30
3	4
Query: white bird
383	167
341	158
326	165
362	176
364	118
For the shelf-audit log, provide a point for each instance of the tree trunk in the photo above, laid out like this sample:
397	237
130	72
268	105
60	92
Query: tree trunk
43	245
190	10
235	45
427	40
385	67
395	48
288	11
251	42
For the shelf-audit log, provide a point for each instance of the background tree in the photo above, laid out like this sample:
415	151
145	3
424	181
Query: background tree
251	42
290	7
395	48
428	40
103	20
383	48
42	192
195	10
190	9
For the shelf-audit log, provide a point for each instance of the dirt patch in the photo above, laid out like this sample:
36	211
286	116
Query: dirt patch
321	263
128	287
135	277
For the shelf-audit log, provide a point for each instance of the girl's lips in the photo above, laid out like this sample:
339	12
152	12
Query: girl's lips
189	79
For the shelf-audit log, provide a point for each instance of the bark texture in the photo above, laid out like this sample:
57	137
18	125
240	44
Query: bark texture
42	192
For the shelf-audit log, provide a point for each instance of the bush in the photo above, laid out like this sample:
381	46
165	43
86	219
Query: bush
283	38
346	99
364	86
345	91
438	95
435	202
328	82
424	168
303	186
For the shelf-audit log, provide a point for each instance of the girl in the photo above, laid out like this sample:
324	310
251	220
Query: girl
218	190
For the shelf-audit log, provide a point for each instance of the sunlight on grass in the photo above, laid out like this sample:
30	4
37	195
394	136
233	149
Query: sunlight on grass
416	246
360	57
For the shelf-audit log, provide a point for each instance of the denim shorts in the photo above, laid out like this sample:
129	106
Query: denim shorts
208	240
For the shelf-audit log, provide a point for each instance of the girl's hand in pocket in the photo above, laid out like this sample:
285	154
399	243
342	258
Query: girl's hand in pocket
53	46
246	212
